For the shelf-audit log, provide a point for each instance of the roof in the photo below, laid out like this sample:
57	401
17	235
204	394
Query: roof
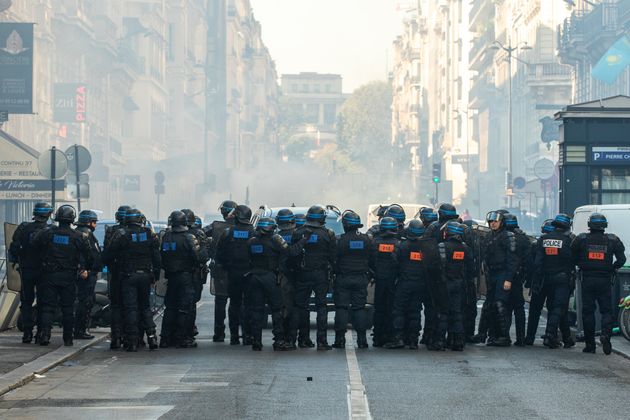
612	107
17	143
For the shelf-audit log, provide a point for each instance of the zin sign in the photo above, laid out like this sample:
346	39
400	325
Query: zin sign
70	102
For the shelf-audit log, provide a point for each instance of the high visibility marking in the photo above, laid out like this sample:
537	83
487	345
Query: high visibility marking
415	256
386	248
312	239
552	251
240	234
358	407
596	256
61	239
458	255
356	244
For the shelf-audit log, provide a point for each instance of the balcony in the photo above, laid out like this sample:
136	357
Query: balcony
480	11
548	74
482	91
478	53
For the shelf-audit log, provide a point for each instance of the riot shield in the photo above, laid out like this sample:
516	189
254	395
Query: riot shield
161	285
218	281
14	282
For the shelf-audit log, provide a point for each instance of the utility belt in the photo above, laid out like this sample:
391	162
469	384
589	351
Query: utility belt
55	267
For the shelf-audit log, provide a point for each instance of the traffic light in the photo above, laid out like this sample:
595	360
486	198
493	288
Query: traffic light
437	172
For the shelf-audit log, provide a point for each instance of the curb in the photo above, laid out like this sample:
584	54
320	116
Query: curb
26	373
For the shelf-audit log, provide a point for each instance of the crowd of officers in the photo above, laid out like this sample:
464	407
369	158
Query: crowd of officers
433	265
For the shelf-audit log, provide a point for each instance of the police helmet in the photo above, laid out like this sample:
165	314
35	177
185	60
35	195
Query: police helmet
121	212
65	214
388	224
242	214
285	219
178	221
494	216
42	211
597	221
86	217
446	212
397	212
134	217
427	215
547	226
415	229
350	220
198	223
510	220
452	229
562	221
316	216
300	220
266	225
226	208
190	217
380	212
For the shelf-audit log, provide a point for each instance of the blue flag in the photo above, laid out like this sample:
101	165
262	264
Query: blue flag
614	62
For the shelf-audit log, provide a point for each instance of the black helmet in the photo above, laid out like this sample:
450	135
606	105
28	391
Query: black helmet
266	225
380	212
86	217
300	220
427	215
190	217
597	221
562	221
415	228
226	208
134	217
446	212
178	221
65	214
510	220
388	224
316	216
397	212
494	216
285	219
547	226
42	211
453	229
242	214
198	222
121	212
350	220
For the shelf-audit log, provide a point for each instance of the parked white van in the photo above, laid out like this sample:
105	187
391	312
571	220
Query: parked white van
618	216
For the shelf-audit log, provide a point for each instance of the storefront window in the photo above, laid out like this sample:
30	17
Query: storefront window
610	186
616	179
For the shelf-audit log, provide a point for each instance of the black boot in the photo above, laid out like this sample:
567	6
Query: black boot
362	340
67	340
479	338
132	344
606	345
396	343
164	342
589	348
503	324
116	342
305	342
568	342
83	335
219	335
256	345
322	344
458	342
340	340
44	338
27	337
281	346
550	342
153	341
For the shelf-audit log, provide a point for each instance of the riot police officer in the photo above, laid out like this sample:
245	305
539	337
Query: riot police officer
446	212
474	237
21	252
300	220
135	248
457	267
384	266
523	252
113	281
502	262
200	273
265	252
233	256
554	267
414	254
594	253
219	277
64	253
180	252
318	258
380	213
351	280
85	287
285	220
427	216
396	212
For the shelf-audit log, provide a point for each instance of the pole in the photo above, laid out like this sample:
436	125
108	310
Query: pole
53	174
436	193
158	205
509	180
76	172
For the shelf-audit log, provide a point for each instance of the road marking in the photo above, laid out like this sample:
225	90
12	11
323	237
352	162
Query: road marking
358	407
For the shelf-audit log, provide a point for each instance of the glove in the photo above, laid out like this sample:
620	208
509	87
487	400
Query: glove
156	277
307	233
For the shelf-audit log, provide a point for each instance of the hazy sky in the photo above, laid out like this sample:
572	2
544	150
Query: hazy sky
351	37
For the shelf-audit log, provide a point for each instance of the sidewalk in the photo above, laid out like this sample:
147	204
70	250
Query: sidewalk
621	346
19	363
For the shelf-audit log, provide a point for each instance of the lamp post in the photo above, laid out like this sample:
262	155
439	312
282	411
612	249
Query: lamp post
509	49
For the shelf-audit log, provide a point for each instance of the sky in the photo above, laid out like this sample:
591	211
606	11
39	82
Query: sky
350	37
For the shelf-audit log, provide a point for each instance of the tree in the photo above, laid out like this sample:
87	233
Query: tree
364	126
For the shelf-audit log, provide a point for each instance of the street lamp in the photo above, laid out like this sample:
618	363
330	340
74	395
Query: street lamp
509	49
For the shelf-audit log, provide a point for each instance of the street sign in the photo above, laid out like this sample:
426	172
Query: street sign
4	116
69	102
159	177
544	169
159	189
84	159
610	155
16	67
84	189
131	183
45	164
519	182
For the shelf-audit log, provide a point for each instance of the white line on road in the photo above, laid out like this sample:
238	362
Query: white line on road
358	407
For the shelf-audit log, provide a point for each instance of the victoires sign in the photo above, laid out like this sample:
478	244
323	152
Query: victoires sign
19	176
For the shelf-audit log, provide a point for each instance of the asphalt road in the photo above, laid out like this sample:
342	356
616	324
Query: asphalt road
219	381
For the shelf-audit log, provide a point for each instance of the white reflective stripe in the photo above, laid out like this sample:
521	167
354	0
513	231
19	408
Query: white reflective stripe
358	407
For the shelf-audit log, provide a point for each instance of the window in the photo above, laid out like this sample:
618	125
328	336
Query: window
330	114
610	185
316	88
305	88
312	113
294	88
327	88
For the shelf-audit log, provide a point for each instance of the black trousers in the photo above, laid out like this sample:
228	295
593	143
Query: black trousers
85	301
30	279
219	286
58	290
350	293
546	295
115	302
453	322
179	302
264	289
315	281
409	297
136	289
287	286
383	302
596	289
469	310
239	311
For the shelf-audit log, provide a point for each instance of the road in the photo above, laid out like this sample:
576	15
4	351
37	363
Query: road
219	381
